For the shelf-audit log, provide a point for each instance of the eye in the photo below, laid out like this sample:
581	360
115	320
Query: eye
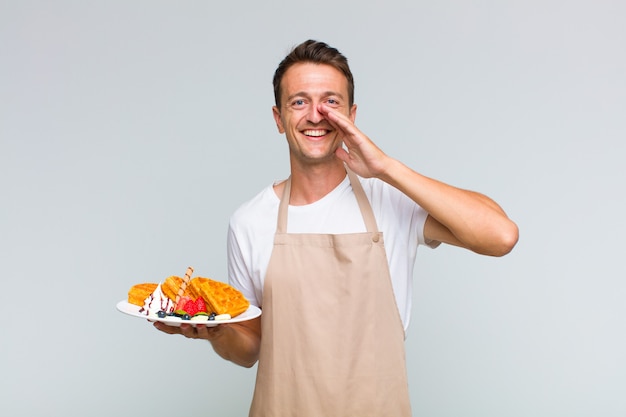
332	102
298	103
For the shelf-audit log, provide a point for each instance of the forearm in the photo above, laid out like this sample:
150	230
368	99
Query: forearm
238	342
459	217
473	220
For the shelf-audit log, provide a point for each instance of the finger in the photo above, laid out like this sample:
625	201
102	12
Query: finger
339	120
166	329
189	331
202	332
208	333
350	134
342	154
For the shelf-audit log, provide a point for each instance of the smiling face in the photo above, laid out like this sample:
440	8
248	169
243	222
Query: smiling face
304	87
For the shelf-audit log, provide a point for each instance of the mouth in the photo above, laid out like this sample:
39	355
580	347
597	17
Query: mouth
315	133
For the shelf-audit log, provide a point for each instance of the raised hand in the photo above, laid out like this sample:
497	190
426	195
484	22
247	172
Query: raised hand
360	154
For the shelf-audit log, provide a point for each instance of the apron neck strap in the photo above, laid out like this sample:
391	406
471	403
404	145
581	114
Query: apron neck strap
359	193
281	227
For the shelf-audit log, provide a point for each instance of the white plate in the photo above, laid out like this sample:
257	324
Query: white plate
133	310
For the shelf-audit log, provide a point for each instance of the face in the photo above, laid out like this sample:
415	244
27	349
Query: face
305	87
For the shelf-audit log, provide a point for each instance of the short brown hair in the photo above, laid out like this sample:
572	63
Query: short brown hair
318	53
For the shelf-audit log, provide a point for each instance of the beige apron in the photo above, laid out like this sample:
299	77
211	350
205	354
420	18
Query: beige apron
333	341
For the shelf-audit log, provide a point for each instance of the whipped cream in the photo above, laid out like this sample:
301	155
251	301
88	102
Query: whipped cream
155	302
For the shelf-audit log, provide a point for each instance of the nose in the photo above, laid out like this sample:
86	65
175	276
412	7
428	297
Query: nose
314	116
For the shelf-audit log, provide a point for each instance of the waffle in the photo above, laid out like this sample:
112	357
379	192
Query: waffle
139	292
170	286
219	297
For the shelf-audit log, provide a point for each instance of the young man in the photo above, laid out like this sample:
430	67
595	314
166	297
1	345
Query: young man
328	254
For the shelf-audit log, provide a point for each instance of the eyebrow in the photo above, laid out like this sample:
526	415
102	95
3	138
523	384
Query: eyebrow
307	95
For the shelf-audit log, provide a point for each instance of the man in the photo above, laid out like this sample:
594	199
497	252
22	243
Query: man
328	254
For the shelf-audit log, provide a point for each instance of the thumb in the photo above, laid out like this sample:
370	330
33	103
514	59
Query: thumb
342	154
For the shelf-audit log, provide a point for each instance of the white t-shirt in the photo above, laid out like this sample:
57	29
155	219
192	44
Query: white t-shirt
253	225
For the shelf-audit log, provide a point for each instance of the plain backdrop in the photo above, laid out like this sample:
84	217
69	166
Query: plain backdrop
130	130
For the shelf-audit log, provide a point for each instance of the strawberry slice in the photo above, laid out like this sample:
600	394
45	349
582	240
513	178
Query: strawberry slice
190	307
200	306
182	302
193	307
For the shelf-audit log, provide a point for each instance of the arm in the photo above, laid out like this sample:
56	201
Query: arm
236	342
456	216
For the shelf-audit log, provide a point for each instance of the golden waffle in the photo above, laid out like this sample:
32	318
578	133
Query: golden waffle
171	285
139	292
219	297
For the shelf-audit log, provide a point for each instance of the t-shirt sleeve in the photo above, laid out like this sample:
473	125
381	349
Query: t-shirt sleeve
239	276
400	212
420	216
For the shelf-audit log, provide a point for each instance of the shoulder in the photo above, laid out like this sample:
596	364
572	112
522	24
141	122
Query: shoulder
257	208
393	209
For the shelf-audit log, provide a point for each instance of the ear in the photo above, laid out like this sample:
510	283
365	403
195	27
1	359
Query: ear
352	114
278	120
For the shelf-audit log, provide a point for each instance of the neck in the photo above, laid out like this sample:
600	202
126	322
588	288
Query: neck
310	184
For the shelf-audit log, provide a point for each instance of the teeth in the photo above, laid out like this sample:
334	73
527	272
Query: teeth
315	132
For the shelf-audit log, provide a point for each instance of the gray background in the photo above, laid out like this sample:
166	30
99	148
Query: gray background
130	130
